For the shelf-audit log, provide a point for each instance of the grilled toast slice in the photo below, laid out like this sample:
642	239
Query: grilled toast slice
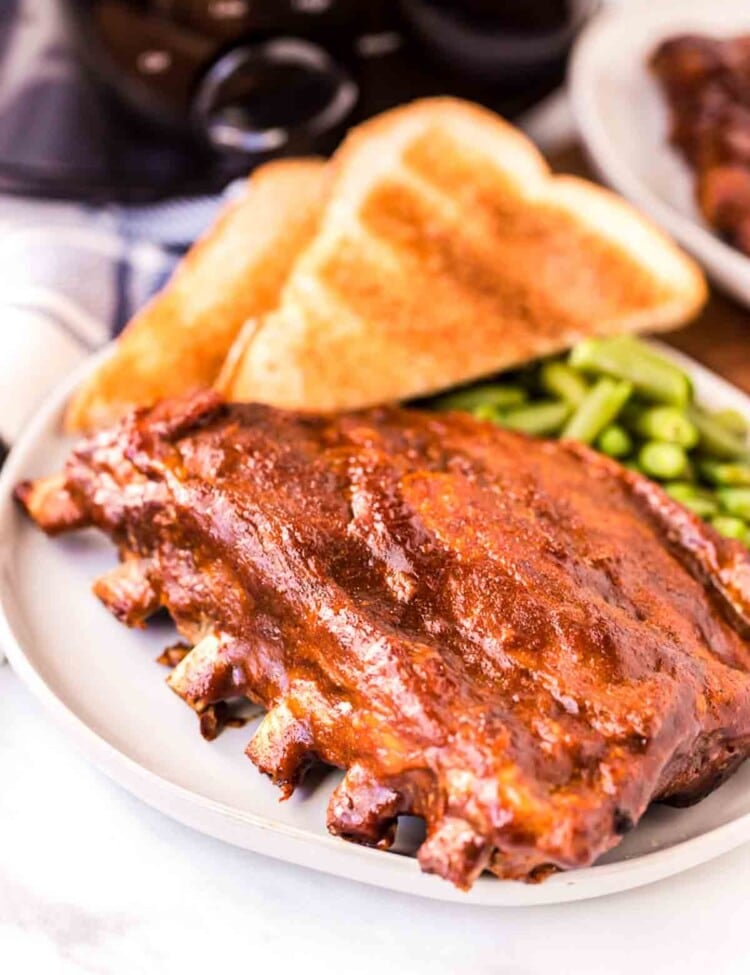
180	339
447	251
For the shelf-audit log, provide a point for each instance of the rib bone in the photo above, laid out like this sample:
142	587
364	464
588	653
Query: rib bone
282	747
363	810
51	505
454	850
196	671
127	591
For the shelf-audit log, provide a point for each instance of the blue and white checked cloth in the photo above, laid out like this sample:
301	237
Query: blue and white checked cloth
70	278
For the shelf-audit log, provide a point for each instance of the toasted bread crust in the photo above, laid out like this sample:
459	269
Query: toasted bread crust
447	251
236	270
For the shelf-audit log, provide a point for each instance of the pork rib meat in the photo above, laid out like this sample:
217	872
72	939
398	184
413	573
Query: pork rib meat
519	641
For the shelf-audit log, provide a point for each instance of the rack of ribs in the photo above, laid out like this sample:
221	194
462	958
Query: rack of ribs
706	82
519	641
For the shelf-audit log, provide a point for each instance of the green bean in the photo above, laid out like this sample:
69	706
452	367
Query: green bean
734	421
703	507
563	382
540	419
665	461
485	411
624	357
700	501
601	405
680	490
485	394
716	439
735	501
615	441
666	423
730	527
725	474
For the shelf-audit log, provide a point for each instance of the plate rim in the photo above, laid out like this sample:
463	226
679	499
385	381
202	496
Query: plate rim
725	264
322	852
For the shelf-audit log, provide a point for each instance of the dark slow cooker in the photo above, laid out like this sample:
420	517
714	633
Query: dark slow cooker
137	99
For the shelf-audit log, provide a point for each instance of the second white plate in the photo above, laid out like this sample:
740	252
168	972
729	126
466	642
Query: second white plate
100	681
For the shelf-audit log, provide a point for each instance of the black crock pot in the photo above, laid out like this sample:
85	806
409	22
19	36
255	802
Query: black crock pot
139	99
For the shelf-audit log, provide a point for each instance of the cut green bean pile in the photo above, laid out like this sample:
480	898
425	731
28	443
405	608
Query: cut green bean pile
628	402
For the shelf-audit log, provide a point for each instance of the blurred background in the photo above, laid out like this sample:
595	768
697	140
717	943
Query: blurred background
134	100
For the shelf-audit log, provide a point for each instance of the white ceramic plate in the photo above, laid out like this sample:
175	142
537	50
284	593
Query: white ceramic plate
100	681
622	118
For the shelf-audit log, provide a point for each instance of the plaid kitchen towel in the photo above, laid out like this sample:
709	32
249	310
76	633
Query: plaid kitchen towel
70	278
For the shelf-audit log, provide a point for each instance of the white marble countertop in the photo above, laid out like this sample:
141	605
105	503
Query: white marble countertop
93	880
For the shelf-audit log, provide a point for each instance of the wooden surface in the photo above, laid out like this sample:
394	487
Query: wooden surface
720	337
